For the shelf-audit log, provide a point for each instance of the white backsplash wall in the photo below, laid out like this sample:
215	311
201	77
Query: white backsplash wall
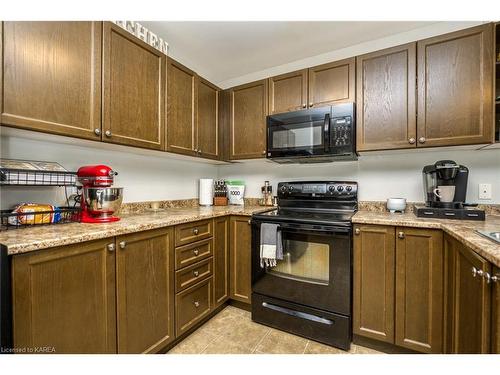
380	176
144	177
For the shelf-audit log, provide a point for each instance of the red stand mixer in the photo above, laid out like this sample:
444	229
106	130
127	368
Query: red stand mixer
98	200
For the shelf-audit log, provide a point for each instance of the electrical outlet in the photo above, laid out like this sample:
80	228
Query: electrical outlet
484	191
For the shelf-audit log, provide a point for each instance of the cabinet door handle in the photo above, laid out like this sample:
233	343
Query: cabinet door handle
196	273
199	151
107	133
196	252
477	272
304	105
421	139
111	247
401	235
357	231
196	231
122	244
97	131
495	278
196	304
249	221
311	104
264	152
411	141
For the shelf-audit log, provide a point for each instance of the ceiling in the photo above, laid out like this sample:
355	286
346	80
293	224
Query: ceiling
224	50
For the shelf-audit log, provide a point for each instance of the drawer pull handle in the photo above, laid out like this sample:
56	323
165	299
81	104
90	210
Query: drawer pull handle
196	252
196	273
196	231
401	235
196	304
477	272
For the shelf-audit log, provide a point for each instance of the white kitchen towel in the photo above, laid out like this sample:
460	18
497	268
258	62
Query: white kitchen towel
271	246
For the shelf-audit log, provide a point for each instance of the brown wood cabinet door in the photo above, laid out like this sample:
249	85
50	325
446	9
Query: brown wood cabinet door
419	289
134	90
248	111
241	259
469	314
221	260
374	264
64	298
182	108
386	112
288	92
208	119
332	83
52	77
145	290
495	312
455	94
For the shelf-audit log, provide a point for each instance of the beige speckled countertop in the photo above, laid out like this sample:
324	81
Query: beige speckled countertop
462	230
30	239
37	238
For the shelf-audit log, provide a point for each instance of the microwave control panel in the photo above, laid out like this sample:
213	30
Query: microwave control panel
341	131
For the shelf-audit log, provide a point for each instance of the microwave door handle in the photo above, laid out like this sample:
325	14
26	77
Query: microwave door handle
326	132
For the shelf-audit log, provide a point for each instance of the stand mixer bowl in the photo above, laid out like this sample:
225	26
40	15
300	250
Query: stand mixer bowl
103	201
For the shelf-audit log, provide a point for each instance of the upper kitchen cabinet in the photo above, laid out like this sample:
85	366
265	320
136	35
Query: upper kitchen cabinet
52	77
182	109
288	92
247	120
332	83
455	95
134	90
208	120
386	112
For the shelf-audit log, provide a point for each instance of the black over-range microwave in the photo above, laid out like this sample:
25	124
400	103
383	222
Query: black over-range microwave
312	135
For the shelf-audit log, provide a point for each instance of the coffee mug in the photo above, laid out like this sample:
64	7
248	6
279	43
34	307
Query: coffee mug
445	193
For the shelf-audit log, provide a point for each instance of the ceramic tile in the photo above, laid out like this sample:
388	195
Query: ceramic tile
194	343
223	346
245	333
314	347
278	342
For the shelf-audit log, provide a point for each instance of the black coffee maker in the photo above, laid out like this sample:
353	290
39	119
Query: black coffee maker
445	173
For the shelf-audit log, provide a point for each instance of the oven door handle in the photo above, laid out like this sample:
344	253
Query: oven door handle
326	132
297	314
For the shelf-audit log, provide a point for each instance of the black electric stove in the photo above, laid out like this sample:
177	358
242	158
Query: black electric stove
309	291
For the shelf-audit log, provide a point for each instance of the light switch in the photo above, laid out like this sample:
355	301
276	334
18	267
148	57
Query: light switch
484	191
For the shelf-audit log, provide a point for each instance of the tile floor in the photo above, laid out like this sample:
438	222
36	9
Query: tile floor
232	331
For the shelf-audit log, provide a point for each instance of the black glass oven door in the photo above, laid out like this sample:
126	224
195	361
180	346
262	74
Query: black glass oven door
315	269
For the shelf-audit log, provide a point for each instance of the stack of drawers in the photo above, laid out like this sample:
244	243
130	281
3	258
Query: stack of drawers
194	264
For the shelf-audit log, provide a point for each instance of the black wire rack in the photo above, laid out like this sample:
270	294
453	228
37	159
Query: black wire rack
61	215
26	177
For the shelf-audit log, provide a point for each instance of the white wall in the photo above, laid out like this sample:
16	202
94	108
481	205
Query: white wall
148	176
380	176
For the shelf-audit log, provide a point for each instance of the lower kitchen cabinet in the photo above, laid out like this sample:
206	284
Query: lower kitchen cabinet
373	302
64	298
193	304
221	260
495	313
241	259
469	298
398	286
419	289
97	297
145	291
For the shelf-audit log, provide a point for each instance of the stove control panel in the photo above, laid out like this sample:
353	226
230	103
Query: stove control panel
327	190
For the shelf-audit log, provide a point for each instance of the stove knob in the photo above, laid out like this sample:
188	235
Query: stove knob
283	189
348	188
331	189
340	188
290	189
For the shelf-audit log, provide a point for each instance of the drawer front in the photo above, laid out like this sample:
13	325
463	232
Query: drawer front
190	275
192	253
192	232
192	305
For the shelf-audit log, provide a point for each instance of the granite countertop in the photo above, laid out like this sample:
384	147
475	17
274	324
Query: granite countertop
25	240
462	230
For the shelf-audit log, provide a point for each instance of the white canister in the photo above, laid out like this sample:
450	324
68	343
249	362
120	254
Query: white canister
206	192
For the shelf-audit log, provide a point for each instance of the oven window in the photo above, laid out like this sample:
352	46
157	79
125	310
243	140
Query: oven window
306	261
293	136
